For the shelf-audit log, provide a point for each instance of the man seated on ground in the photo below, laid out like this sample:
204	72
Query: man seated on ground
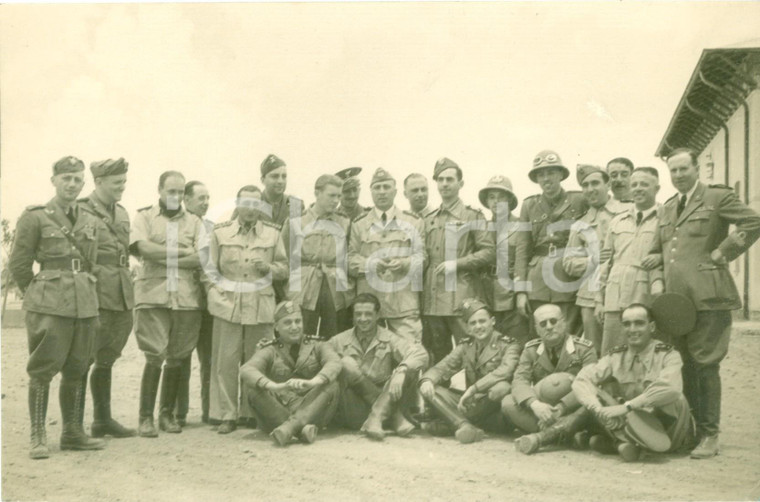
547	418
292	380
644	374
378	367
489	359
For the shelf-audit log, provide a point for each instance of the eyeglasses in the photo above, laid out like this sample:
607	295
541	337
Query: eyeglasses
548	322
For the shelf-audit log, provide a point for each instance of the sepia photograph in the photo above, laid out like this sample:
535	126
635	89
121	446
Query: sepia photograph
374	250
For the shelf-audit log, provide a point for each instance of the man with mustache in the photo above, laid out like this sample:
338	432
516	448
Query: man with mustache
349	196
620	170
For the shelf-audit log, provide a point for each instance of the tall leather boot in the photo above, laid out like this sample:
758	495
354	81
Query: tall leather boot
302	421
565	427
381	411
103	423
183	391
73	437
38	401
148	390
169	390
465	432
84	398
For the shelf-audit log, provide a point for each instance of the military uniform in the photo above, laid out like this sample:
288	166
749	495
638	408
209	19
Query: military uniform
116	301
686	243
474	252
622	280
367	373
168	307
242	316
581	260
536	364
317	293
398	291
61	304
354	212
648	380
291	409
489	367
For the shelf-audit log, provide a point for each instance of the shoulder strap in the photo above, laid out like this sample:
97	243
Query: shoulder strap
108	224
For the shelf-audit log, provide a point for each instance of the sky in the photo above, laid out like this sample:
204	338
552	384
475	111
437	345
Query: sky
212	89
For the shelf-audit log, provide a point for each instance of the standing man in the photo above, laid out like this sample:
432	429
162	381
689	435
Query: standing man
459	247
583	255
620	170
555	351
499	198
379	366
61	304
488	359
416	192
115	291
349	198
246	255
168	298
696	249
292	380
550	216
642	375
196	202
386	254
324	292
625	277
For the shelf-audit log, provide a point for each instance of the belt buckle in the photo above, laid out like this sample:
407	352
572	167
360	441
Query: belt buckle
76	265
122	260
552	250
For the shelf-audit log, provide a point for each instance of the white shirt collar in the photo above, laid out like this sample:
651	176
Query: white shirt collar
690	193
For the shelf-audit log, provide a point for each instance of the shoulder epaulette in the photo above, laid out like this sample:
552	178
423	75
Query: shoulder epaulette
467	339
433	212
84	199
533	343
266	342
224	224
359	217
272	224
34	207
675	196
119	205
477	210
583	341
718	185
144	208
507	338
663	347
409	213
313	338
619	348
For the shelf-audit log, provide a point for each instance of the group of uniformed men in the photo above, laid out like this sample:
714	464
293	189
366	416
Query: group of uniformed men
362	316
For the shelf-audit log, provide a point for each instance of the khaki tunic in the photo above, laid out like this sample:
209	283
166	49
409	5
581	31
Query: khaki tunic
474	251
56	289
581	258
231	277
385	352
622	280
151	289
484	365
319	251
653	383
115	290
404	233
537	244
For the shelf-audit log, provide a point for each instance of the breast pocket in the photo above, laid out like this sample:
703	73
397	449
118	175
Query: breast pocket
667	229
53	243
230	255
698	223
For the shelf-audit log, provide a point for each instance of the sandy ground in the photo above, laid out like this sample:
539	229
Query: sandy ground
202	465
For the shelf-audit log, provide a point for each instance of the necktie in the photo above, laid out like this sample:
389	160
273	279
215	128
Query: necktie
681	204
70	216
553	357
294	351
384	219
639	217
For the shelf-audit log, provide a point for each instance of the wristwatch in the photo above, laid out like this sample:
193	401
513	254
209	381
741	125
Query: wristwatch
628	406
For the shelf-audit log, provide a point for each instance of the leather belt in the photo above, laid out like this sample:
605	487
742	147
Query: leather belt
120	260
67	264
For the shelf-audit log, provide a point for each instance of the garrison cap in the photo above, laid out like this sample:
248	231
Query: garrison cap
674	314
381	175
271	163
443	164
284	309
68	164
502	184
583	171
108	167
470	306
350	177
544	159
